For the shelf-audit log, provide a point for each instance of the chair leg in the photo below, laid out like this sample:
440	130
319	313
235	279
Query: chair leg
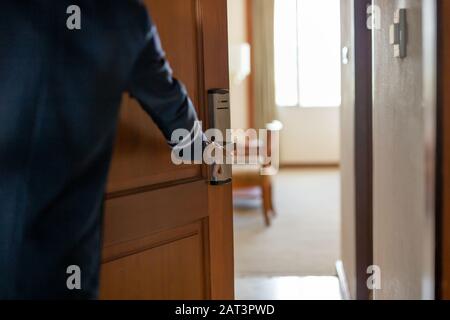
266	203
274	213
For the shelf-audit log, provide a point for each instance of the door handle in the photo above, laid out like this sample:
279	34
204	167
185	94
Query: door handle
219	133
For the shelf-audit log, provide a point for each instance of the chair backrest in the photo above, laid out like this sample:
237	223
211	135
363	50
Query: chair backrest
263	146
273	130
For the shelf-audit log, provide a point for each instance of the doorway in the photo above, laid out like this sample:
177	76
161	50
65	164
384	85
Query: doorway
292	253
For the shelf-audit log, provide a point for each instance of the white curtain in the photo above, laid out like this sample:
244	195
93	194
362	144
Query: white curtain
264	62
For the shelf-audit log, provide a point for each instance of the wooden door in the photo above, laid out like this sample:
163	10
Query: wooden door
167	232
404	116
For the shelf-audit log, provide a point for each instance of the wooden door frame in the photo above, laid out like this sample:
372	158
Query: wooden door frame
443	154
363	148
362	157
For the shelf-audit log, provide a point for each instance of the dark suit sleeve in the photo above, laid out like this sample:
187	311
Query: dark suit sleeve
162	96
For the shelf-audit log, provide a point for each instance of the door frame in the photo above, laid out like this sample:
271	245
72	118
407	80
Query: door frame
360	115
443	154
363	148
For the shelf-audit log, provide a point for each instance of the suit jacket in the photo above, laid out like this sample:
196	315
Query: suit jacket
60	92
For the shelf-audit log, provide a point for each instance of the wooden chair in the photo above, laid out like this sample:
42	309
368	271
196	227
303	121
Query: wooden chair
247	177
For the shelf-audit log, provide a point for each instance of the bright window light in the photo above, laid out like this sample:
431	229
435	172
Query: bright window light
307	53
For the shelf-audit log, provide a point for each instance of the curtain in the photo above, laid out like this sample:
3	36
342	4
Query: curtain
264	62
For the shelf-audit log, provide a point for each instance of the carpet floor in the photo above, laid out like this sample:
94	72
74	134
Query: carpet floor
304	237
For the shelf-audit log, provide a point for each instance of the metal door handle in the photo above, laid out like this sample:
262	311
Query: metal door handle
219	119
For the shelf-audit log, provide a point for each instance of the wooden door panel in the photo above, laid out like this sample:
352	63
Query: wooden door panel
168	265
140	214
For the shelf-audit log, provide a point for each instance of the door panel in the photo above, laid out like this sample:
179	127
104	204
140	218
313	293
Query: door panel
166	265
168	234
123	224
403	118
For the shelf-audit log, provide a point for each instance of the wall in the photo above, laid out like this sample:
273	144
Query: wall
403	155
310	135
239	92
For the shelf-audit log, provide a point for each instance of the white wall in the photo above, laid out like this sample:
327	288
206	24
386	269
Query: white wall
403	155
310	135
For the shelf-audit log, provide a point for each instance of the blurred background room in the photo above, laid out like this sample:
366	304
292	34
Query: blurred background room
285	75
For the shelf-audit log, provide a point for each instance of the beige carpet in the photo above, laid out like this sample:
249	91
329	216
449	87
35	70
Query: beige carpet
303	239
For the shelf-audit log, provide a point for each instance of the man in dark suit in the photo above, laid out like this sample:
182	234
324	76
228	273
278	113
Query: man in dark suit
60	91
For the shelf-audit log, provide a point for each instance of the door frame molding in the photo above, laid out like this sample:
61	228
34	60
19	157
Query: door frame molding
363	148
443	154
361	178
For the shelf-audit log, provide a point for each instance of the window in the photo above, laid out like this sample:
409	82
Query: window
307	53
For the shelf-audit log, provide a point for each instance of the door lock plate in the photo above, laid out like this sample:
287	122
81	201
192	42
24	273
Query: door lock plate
398	36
